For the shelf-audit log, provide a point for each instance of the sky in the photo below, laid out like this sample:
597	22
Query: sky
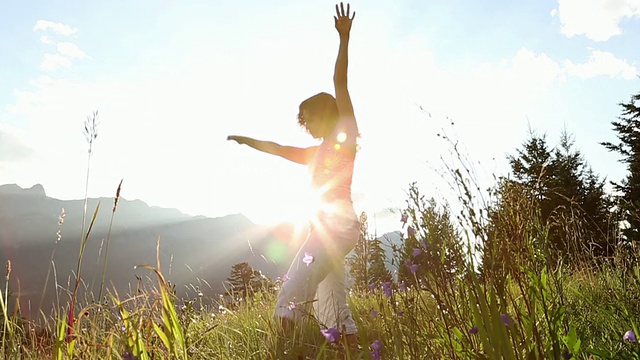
171	79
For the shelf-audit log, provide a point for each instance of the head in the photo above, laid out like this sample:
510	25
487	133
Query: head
318	115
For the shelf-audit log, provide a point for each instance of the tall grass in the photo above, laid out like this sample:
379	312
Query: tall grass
517	303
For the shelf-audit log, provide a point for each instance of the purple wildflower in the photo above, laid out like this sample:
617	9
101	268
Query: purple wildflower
416	252
400	313
402	286
404	218
292	306
129	356
413	268
505	319
285	278
474	330
331	334
374	314
376	349
386	289
372	287
629	336
411	231
307	259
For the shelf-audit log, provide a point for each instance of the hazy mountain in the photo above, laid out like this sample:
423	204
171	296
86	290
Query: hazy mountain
193	250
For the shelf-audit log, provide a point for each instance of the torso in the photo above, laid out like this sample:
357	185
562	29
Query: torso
331	174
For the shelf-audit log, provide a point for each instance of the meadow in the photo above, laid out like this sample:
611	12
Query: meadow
496	294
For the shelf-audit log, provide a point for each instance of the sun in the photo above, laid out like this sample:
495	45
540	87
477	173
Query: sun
297	206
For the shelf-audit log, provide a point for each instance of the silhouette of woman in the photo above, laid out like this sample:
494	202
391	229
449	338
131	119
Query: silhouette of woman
318	268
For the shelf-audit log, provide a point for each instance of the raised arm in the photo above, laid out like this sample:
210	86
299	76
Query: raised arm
291	153
343	20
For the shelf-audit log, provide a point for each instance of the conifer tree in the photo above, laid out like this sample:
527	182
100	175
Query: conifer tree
244	281
627	128
367	262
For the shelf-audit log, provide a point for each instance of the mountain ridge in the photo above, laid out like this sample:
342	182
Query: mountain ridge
192	248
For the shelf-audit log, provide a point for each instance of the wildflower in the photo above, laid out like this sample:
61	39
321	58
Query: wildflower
402	286
307	259
629	336
400	313
404	218
285	278
374	314
474	330
129	356
416	252
505	319
411	231
331	334
386	288
372	287
566	354
376	349
292	306
413	268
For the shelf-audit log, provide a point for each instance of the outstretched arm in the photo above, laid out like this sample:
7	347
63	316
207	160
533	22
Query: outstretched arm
343	20
295	154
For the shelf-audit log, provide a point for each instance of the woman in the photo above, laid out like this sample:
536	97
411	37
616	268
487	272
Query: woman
318	268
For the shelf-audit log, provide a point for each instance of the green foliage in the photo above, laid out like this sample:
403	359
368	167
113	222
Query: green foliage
367	261
567	195
432	244
244	281
627	128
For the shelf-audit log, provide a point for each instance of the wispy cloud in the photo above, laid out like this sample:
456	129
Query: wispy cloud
602	63
71	50
65	51
57	28
45	39
52	62
598	20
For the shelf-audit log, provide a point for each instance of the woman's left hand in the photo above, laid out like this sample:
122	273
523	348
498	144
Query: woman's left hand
343	19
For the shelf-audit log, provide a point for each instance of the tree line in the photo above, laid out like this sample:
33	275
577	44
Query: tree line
577	221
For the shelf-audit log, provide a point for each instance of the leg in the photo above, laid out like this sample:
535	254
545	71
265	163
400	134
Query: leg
298	290
331	308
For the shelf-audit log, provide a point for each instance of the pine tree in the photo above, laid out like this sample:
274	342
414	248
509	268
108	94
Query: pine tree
569	196
432	248
367	262
244	281
628	128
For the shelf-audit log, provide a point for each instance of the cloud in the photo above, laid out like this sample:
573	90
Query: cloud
66	51
45	39
71	50
602	63
598	20
52	62
525	70
57	28
12	148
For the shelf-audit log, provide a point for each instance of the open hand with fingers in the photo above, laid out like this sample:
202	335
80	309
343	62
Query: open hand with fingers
343	19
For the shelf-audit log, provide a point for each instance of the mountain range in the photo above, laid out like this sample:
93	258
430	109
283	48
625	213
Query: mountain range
196	252
41	236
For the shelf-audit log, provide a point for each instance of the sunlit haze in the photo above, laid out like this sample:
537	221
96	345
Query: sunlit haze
171	79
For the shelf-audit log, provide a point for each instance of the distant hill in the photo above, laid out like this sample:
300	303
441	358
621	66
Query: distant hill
194	251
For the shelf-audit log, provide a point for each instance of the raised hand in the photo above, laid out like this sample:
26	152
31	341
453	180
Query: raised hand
343	19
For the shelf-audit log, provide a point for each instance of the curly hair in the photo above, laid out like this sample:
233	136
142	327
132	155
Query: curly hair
322	105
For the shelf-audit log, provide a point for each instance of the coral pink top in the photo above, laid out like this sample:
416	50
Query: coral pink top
331	174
